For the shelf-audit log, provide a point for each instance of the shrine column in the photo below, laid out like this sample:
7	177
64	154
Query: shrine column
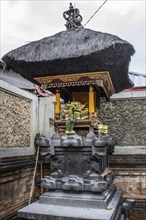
91	101
57	108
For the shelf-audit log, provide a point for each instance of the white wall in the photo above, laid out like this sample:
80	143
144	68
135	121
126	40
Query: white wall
46	111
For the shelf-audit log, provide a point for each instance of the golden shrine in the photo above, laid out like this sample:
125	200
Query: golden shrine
86	88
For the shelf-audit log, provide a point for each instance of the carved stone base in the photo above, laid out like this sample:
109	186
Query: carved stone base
65	206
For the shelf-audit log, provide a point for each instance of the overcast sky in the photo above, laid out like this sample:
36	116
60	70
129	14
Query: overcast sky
23	21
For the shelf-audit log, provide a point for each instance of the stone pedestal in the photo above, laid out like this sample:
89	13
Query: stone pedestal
63	205
80	185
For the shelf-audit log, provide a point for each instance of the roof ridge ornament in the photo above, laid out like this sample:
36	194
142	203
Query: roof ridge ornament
73	18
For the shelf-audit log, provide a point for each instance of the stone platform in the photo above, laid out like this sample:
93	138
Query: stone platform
66	206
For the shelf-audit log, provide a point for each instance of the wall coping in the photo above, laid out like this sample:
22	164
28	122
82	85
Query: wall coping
130	150
22	151
16	91
129	95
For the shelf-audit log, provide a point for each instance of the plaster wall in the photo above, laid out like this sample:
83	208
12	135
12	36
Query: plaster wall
46	111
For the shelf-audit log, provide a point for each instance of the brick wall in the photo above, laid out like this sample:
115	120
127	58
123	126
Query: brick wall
15	184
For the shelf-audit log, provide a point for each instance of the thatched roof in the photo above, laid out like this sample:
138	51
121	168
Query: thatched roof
74	51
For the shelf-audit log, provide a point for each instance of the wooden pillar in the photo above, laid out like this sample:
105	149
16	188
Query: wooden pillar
97	98
91	101
57	109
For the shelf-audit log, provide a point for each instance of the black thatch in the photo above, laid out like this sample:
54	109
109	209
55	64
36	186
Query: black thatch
74	51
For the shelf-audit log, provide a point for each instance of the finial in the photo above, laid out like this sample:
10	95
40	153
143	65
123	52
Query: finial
72	17
71	6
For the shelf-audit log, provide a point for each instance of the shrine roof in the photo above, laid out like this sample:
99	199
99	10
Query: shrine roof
74	51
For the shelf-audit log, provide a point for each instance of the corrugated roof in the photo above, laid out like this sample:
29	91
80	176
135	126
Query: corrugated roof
16	80
139	79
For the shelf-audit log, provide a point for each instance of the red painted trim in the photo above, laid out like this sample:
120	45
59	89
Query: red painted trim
136	88
40	92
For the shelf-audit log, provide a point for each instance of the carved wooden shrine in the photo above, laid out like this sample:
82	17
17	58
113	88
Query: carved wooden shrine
87	88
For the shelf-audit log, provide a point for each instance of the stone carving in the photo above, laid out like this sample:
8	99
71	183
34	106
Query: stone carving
80	183
78	164
72	17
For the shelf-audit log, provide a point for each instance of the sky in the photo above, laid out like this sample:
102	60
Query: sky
23	21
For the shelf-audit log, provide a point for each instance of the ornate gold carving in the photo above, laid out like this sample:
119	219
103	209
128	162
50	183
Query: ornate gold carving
94	78
71	79
78	83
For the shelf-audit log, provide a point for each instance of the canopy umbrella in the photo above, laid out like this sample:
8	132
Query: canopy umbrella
77	50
